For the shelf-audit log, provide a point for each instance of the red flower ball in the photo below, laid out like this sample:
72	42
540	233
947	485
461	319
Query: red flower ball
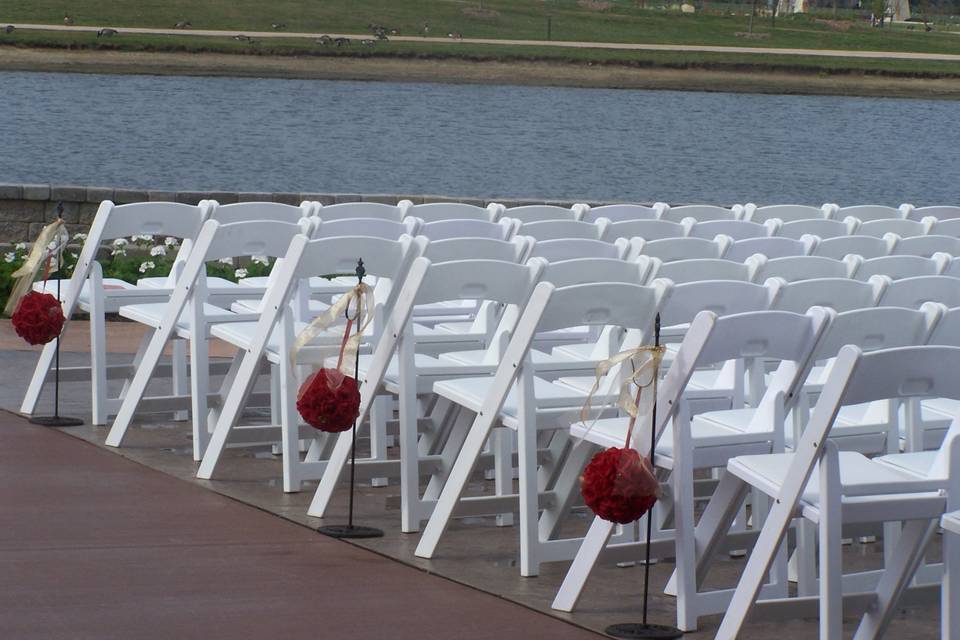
329	401
619	485
38	318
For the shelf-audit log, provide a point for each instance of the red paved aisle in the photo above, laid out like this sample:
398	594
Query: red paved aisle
95	546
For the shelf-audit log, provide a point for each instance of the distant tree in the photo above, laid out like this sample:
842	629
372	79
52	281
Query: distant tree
879	9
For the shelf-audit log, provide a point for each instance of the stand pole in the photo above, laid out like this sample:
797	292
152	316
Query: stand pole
630	630
56	420
349	530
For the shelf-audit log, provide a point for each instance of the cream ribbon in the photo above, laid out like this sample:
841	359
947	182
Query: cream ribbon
54	234
646	361
362	295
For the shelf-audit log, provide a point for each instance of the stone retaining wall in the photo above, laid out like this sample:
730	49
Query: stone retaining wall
25	208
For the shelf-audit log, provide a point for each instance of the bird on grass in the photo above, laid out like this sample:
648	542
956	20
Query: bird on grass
67	19
277	26
183	24
106	32
9	28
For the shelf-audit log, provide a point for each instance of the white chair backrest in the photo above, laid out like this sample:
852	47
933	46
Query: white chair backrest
927	245
914	292
670	249
785	212
949	227
897	267
736	229
722	297
570	248
938	212
458	228
865	212
247	211
790	268
360	210
374	227
839	294
540	212
566	273
621	212
515	250
864	246
899	226
820	227
437	211
561	229
488	280
876	328
774	247
625	305
680	271
645	229
269	238
700	213
148	218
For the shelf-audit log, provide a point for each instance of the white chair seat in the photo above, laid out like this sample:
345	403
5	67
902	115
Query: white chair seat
543	362
429	370
110	286
917	463
152	315
242	335
161	282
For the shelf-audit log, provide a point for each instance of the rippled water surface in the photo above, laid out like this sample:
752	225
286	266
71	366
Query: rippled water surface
247	134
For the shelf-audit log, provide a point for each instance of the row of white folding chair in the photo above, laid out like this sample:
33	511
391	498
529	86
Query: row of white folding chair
832	489
439	211
791	212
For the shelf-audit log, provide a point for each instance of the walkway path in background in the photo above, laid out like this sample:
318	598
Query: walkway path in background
830	53
93	545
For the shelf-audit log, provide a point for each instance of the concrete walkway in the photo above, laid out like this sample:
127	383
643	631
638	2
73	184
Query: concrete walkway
626	46
93	545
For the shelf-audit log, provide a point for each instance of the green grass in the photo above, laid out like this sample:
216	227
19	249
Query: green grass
473	52
506	19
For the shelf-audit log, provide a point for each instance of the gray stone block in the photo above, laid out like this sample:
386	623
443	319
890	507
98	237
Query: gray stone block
322	198
223	197
99	194
11	191
162	196
436	198
87	211
15	231
382	198
22	211
339	198
36	192
68	193
127	196
190	197
287	198
254	196
477	202
413	199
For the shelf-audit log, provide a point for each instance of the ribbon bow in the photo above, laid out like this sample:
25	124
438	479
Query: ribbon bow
51	240
646	364
362	297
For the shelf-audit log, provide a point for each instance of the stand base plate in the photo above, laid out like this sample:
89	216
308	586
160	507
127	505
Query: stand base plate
347	531
55	421
632	630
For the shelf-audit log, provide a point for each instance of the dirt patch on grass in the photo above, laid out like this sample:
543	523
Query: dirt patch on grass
836	25
477	12
595	5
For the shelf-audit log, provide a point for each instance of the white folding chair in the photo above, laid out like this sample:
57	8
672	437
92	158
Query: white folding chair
736	229
897	267
530	405
454	228
562	229
701	212
785	212
820	227
89	291
864	212
689	442
900	226
645	229
250	211
570	248
683	271
371	227
440	211
912	293
839	294
774	247
865	246
927	245
360	210
938	212
792	268
623	212
831	489
670	249
541	212
271	338
189	316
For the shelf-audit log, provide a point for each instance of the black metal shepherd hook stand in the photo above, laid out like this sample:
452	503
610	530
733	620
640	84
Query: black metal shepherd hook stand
644	629
351	530
56	420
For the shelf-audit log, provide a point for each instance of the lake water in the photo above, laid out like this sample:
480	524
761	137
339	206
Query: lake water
192	133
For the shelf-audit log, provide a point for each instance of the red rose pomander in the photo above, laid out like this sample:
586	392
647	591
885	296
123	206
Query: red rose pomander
329	401
38	318
619	485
